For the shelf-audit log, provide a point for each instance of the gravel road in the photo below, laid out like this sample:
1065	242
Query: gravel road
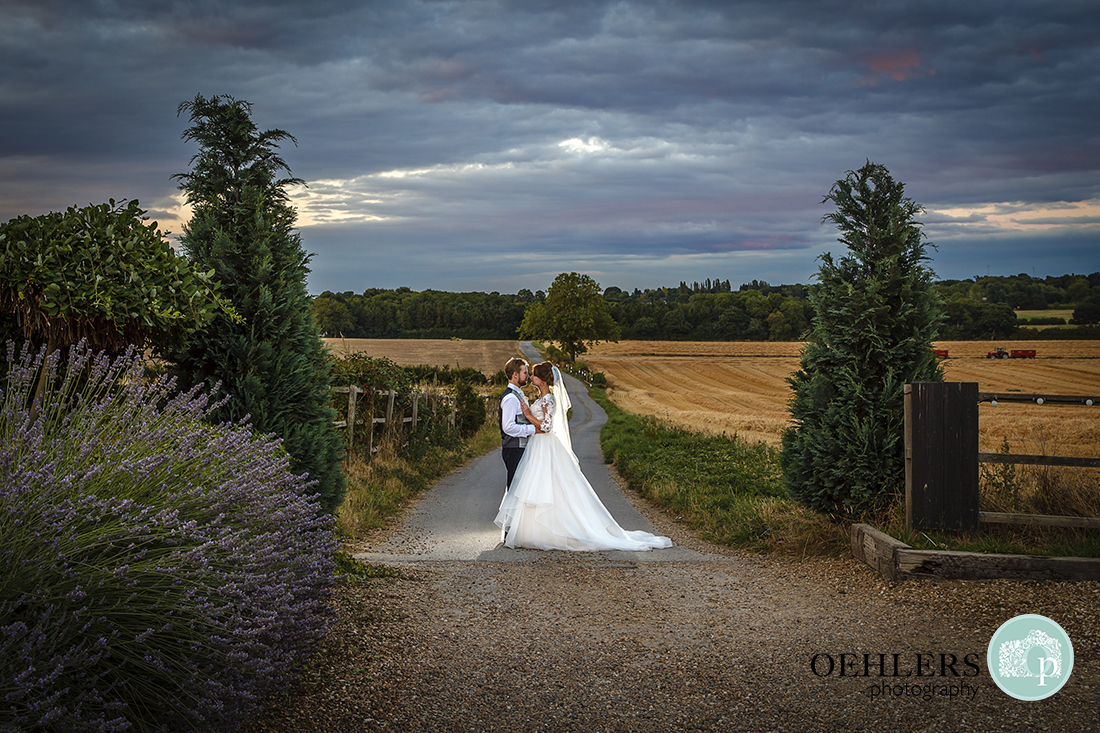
475	637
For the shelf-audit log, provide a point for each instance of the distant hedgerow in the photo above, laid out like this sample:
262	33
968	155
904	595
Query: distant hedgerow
159	573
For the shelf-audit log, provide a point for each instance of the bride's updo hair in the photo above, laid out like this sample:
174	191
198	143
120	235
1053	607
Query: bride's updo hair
544	370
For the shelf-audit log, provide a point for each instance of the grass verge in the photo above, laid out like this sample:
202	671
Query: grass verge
1010	539
728	490
381	487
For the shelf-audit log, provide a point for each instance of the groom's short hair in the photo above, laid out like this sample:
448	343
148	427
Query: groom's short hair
514	365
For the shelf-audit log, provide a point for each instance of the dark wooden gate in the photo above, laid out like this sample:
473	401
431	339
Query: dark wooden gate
941	455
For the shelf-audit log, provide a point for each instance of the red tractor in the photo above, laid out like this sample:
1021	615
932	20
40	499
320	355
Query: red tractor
1002	353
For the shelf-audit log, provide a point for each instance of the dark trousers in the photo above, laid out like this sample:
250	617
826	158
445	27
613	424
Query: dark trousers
511	458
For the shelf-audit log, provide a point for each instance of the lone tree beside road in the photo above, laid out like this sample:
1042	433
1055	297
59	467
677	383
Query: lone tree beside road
875	320
273	365
574	314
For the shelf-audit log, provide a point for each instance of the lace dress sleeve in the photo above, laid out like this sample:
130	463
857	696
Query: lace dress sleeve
548	413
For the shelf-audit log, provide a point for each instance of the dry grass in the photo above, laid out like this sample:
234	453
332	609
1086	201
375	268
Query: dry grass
716	349
488	357
740	387
384	486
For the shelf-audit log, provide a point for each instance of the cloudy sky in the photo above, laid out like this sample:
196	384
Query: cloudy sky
491	145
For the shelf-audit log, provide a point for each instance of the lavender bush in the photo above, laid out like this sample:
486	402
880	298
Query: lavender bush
156	572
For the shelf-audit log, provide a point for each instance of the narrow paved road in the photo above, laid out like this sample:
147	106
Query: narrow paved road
455	520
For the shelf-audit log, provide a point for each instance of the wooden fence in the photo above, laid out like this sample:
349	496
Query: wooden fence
392	418
942	457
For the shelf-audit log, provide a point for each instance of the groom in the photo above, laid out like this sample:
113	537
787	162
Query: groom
515	429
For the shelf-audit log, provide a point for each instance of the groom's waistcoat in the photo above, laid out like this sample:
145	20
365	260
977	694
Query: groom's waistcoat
510	441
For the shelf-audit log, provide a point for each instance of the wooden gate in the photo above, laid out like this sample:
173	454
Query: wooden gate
941	456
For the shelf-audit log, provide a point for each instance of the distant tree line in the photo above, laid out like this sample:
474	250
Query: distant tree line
978	308
1023	292
404	313
713	312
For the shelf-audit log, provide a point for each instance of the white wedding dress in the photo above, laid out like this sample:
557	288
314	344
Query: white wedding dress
551	505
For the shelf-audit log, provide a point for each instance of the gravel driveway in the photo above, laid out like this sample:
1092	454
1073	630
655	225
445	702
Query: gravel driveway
588	642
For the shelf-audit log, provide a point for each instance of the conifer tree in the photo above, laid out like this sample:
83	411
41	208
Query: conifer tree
876	317
272	365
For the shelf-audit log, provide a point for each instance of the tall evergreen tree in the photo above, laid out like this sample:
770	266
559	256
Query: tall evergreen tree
273	364
876	317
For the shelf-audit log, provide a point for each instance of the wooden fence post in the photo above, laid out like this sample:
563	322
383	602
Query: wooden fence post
416	401
941	455
352	391
370	422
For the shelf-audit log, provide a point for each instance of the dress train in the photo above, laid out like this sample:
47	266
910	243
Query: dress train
552	506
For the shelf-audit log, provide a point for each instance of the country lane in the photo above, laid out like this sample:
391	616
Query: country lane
454	521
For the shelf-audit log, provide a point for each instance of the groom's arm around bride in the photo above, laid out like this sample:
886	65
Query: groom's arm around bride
515	429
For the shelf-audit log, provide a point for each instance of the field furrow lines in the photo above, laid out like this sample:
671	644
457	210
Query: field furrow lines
741	387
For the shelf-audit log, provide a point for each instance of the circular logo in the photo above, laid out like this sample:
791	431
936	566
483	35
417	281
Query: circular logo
1030	657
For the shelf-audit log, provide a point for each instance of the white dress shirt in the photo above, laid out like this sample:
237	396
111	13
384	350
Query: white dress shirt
510	409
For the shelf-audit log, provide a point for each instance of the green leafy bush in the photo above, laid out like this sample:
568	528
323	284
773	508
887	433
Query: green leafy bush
104	274
470	410
425	374
368	372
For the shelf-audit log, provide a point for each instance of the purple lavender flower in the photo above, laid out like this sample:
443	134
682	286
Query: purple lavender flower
156	572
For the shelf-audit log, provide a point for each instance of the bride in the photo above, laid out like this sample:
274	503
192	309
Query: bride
551	505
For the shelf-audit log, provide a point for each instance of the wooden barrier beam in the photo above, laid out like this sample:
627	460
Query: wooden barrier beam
1058	399
1032	460
941	565
897	561
876	549
1048	520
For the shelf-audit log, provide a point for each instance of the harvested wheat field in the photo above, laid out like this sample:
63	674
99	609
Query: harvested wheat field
740	387
488	357
716	387
1059	368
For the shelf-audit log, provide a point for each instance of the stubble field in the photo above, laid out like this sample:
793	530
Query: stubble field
741	387
488	357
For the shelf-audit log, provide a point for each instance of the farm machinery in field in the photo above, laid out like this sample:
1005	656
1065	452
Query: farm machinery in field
1002	353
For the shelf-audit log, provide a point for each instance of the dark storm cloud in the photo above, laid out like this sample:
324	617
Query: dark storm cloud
490	145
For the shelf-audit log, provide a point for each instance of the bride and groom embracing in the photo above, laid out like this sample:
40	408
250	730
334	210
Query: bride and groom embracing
549	504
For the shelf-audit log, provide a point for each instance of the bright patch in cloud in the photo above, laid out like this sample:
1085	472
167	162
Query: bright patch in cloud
591	145
337	202
1025	217
438	169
